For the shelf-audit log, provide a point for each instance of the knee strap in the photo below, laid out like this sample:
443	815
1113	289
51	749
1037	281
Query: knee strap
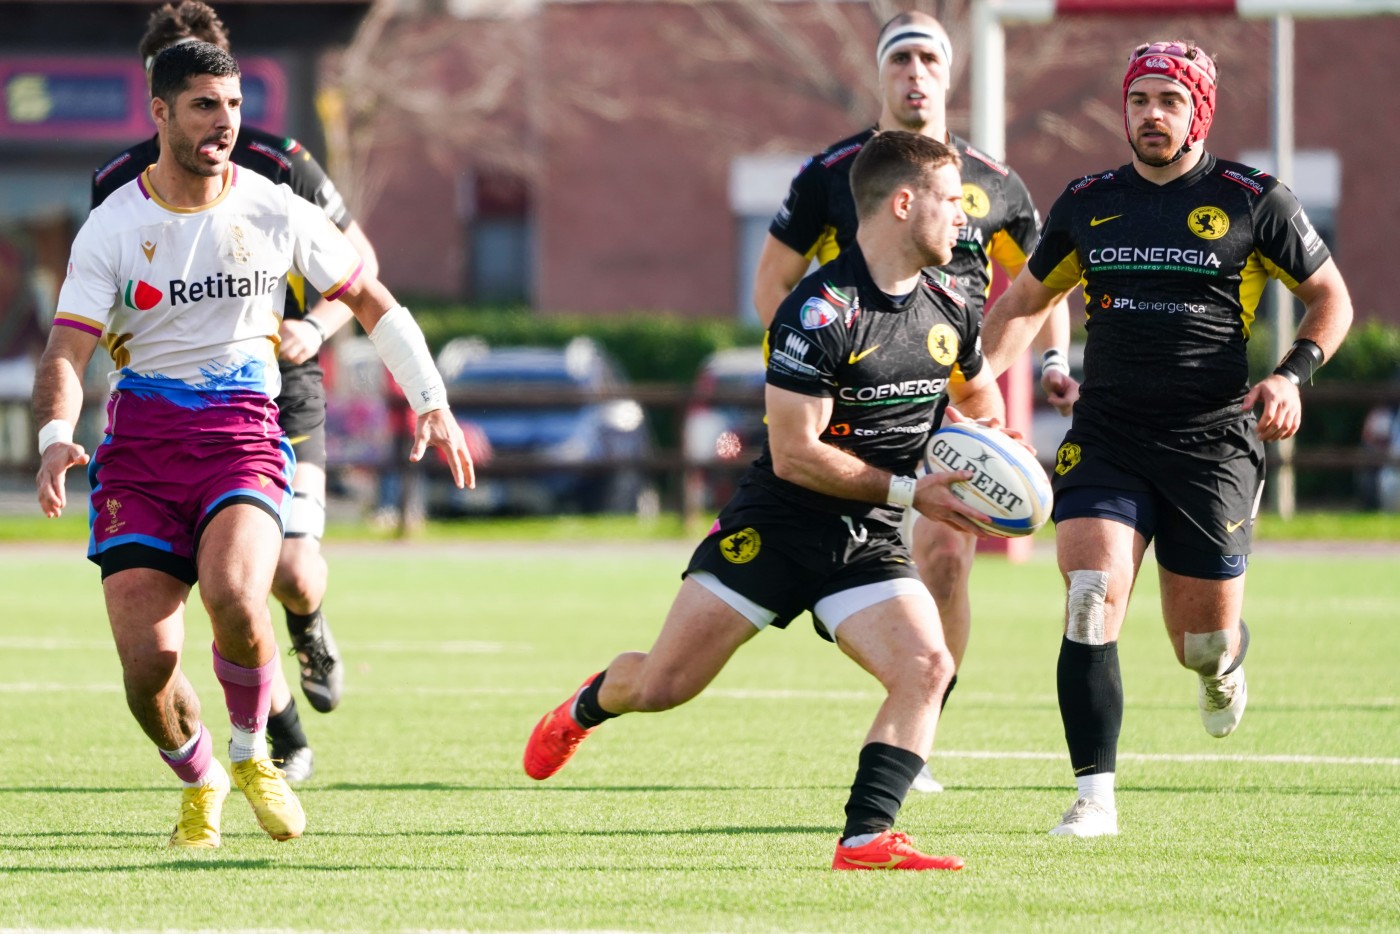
306	516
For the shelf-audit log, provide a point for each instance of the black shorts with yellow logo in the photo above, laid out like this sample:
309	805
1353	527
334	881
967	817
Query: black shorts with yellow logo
301	409
1204	485
785	557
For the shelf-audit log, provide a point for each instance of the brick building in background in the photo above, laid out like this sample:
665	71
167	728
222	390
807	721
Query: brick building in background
658	200
602	157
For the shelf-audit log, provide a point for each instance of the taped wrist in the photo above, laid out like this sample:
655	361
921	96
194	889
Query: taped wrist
1303	359
317	327
901	491
53	432
1054	359
400	344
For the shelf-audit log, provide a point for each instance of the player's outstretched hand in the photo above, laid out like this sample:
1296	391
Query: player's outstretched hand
1282	414
1061	390
440	430
298	342
53	475
934	500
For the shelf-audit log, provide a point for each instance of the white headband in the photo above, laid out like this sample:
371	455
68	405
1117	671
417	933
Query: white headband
151	59
914	35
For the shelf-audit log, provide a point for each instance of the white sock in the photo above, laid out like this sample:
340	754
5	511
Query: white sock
1097	788
175	755
246	745
860	839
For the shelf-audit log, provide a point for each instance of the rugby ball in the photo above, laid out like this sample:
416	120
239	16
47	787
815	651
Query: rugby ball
1008	483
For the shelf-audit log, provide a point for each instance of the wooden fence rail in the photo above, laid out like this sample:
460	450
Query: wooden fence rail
17	454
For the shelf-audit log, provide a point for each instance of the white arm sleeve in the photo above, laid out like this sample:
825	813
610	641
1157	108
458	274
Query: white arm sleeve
400	344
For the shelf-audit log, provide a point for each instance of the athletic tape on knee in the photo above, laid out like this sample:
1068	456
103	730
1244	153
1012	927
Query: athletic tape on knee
1088	590
307	516
1207	652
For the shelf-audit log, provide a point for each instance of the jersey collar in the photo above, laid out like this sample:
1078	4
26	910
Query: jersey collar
1199	171
144	182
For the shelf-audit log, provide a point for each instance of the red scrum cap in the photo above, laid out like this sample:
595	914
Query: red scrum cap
1183	63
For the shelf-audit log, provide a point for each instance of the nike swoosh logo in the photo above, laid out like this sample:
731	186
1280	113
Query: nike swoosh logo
1231	526
1084	769
1096	221
890	863
857	357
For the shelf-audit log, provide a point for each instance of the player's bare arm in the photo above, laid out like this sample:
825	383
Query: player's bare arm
301	338
1013	321
400	345
780	268
58	400
1325	323
795	424
979	398
1050	346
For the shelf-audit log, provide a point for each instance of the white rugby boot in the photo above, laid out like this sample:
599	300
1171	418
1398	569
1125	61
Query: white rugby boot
1222	699
1087	818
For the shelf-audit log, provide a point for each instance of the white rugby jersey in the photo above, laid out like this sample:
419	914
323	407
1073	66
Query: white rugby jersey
192	298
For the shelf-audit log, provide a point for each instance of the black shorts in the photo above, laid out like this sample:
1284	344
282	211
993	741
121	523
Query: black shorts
302	411
786	558
1204	486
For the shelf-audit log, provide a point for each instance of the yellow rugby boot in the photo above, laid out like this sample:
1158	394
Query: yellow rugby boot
201	809
274	803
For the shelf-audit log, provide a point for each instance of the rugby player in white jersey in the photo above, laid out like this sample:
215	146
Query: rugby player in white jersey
181	275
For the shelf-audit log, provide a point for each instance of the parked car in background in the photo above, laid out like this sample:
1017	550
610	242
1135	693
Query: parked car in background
1379	487
571	436
724	427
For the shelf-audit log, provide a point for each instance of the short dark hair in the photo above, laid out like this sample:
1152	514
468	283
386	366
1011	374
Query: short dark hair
173	68
187	19
895	159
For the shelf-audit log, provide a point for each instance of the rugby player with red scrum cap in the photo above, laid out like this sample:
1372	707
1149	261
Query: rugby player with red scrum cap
1174	251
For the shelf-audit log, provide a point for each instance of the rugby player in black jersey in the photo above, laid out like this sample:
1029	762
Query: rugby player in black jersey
818	220
860	359
1174	250
301	579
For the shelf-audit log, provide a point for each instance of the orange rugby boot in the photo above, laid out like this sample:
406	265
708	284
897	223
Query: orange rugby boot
555	738
891	850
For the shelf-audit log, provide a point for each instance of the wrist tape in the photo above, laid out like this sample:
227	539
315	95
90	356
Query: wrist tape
400	344
1054	359
1301	362
901	491
54	432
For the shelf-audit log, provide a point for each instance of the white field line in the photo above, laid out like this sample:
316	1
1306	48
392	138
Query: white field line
455	647
35	687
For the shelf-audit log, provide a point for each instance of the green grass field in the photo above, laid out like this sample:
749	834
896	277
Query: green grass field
719	816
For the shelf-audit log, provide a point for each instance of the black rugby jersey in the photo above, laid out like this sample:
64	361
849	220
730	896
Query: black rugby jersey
1172	277
279	158
818	218
886	367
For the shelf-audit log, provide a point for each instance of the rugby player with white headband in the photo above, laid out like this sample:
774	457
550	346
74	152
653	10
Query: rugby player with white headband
818	220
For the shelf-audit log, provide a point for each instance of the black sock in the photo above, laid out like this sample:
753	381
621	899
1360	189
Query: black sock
949	690
284	729
298	624
1091	705
882	780
587	711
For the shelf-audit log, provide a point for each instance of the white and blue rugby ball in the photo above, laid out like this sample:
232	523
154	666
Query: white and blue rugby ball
1008	484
